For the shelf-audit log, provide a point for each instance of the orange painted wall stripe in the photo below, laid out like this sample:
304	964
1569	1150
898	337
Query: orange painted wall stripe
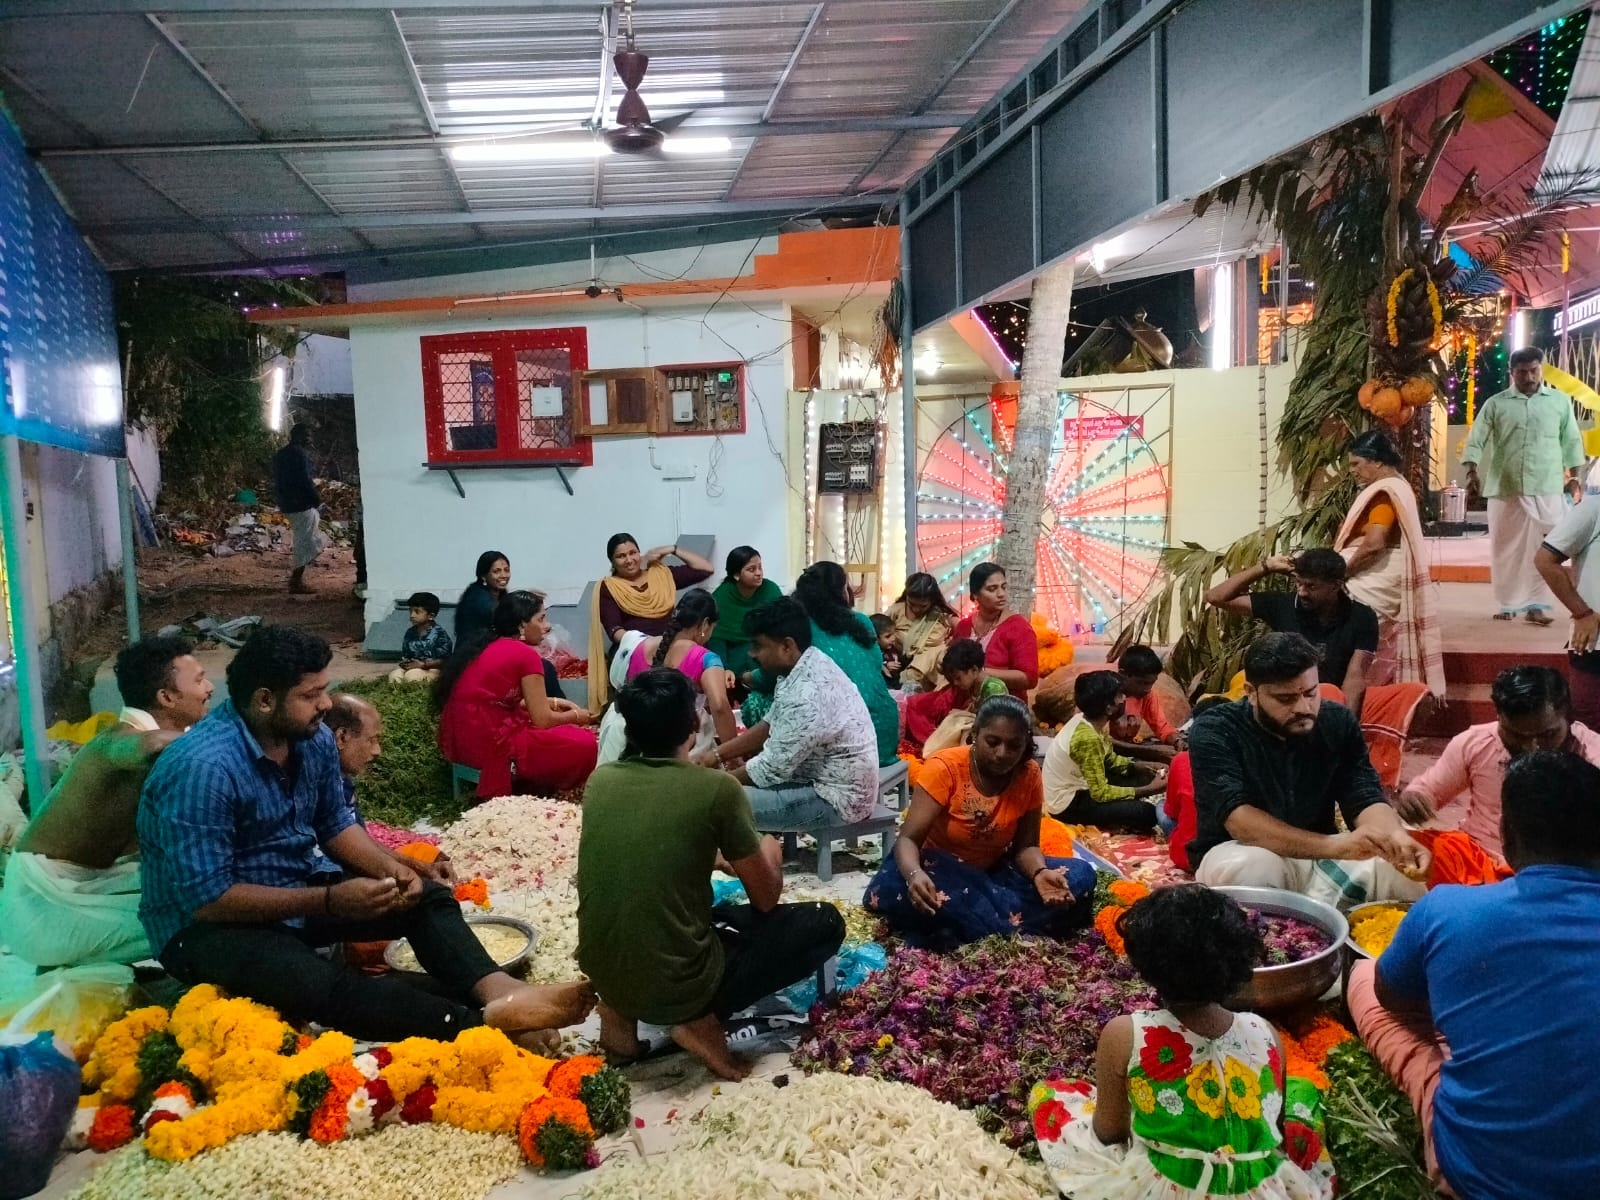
814	258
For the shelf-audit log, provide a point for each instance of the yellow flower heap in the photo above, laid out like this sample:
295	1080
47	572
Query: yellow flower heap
252	1066
1375	929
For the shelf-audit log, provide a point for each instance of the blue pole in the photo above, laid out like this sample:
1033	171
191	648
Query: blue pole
130	563
24	637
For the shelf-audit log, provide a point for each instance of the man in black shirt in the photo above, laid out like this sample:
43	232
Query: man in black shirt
1268	771
299	502
1344	631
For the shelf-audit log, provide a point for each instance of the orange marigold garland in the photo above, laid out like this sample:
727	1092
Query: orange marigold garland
475	891
113	1126
1105	924
1128	892
555	1135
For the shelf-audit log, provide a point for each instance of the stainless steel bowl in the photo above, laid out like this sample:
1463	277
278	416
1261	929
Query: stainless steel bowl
510	965
1298	983
1352	952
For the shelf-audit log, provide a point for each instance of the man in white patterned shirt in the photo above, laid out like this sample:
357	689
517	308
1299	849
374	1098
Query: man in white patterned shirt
818	759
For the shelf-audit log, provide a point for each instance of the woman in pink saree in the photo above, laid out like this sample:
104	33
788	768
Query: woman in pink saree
681	646
1386	560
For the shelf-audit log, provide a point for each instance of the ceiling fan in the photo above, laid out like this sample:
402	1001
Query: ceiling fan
635	132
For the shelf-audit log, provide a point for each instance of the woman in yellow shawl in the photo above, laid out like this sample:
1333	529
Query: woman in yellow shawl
638	594
922	620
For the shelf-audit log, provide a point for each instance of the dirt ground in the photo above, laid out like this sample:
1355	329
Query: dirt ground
176	584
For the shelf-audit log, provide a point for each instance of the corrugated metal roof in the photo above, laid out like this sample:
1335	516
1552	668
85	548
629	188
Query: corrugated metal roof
821	101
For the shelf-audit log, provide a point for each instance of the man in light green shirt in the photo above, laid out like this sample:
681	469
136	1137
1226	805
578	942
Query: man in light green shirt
1527	440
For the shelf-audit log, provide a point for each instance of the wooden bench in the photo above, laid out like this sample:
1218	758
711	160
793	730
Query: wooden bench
894	792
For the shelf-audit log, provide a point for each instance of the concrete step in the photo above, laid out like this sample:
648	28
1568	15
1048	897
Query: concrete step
1469	705
1463	667
1460	572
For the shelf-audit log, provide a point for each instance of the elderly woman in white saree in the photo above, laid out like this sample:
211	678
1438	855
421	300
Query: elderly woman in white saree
1387	568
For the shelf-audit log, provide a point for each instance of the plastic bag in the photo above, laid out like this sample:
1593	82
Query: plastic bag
40	1085
74	1003
855	963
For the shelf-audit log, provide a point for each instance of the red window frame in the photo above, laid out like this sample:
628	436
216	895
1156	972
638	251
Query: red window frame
498	351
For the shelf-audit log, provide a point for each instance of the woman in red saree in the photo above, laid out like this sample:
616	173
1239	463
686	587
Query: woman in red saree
497	716
1011	648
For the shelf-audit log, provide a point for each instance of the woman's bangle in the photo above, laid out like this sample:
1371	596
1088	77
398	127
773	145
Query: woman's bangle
1035	874
912	878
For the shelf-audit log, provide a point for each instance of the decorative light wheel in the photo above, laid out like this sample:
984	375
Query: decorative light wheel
1104	522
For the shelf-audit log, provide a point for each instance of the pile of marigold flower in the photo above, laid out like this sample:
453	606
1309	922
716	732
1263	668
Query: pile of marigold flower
218	1068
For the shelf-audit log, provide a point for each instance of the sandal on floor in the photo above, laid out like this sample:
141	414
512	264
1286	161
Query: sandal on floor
651	1051
1537	616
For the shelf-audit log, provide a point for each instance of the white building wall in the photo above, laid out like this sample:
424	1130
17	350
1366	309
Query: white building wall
421	535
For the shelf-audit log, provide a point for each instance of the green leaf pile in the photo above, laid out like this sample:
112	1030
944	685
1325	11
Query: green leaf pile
1372	1131
410	781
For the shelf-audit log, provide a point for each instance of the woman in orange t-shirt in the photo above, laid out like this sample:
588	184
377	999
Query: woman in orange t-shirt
967	863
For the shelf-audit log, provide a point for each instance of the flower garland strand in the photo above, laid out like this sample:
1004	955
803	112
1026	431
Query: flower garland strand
216	1069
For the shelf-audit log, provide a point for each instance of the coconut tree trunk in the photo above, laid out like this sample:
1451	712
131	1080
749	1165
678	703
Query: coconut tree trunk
1048	310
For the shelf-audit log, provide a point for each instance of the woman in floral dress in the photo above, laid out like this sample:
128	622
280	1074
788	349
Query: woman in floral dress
1189	1097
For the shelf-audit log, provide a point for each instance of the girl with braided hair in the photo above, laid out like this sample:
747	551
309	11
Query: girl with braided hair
682	645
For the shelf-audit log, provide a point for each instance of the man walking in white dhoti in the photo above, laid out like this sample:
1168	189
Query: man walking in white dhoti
1527	440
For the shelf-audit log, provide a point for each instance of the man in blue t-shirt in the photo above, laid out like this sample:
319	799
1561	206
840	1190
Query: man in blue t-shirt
1482	1008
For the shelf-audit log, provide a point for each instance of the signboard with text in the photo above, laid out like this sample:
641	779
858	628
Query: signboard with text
1101	429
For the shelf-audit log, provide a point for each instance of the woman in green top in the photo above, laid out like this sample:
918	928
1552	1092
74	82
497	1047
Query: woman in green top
745	588
1086	782
848	638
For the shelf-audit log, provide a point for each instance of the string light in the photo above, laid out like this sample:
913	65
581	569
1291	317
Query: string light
1105	509
1540	66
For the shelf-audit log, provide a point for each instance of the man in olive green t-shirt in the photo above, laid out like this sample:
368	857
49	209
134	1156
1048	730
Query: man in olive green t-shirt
649	938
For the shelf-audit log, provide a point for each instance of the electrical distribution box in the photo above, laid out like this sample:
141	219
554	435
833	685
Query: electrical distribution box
847	457
674	400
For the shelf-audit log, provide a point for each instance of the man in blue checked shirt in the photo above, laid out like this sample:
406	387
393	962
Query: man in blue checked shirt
236	894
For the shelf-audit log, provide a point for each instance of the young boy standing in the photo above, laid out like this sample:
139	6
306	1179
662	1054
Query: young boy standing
426	645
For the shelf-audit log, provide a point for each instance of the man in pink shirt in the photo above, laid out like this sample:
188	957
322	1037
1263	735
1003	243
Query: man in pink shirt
1140	667
1462	789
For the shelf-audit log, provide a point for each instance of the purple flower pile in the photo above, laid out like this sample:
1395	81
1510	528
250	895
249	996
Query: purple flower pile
979	1027
1287	939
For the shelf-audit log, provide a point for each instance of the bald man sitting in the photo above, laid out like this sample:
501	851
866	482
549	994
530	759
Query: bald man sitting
358	733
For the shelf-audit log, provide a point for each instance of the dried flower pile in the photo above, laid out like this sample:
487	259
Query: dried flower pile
828	1137
1375	929
1286	939
403	1162
516	842
216	1069
979	1027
